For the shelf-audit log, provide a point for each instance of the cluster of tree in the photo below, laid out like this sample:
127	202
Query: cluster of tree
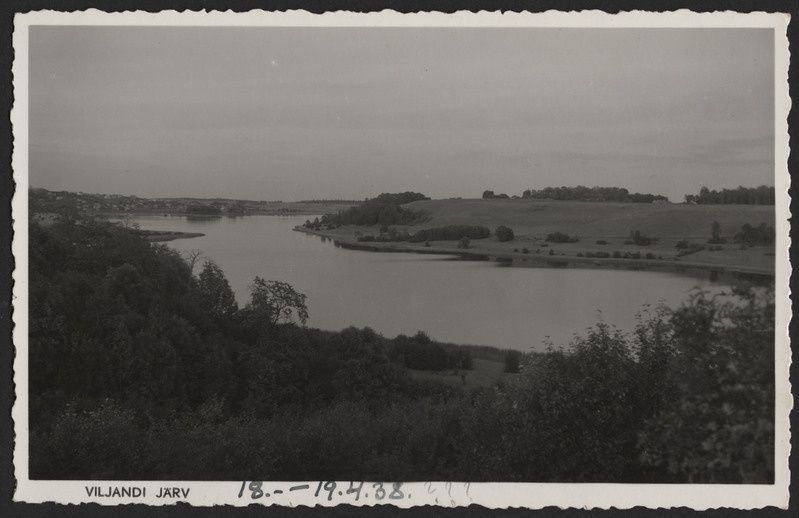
637	238
487	195
583	193
201	208
383	210
421	353
140	370
560	237
763	195
450	233
504	233
763	234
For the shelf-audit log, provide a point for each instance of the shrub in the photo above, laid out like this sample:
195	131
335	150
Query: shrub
450	233
504	233
525	251
761	235
715	233
601	242
560	237
463	243
639	239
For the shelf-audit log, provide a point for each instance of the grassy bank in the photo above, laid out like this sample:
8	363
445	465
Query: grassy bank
601	228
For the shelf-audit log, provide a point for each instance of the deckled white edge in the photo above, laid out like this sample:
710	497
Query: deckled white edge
446	494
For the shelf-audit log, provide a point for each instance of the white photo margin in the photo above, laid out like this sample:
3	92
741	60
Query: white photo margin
446	494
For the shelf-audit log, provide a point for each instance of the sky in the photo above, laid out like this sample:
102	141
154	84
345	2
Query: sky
297	113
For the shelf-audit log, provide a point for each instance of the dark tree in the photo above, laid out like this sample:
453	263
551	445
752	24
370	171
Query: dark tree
216	296
504	233
715	234
277	301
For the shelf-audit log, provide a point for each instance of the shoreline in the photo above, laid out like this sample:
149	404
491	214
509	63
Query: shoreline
160	236
521	260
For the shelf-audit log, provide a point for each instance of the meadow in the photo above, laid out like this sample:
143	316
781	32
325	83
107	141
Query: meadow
598	227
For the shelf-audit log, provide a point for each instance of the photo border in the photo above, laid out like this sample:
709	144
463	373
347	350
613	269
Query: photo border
490	495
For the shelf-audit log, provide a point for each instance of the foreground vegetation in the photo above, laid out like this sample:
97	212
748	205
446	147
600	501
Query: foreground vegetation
140	370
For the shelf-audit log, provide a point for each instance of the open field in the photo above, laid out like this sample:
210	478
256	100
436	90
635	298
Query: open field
532	220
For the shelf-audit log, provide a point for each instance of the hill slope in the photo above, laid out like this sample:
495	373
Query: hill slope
595	220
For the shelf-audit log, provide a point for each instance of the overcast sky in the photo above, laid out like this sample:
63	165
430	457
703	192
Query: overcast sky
302	113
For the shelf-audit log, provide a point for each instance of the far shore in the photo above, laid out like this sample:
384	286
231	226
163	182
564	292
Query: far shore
482	250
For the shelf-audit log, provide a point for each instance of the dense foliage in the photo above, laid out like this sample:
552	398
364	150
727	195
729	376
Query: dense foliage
583	193
763	195
450	233
201	208
504	233
488	195
139	370
763	234
637	238
385	209
560	237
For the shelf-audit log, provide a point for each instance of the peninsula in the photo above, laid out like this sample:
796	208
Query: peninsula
554	233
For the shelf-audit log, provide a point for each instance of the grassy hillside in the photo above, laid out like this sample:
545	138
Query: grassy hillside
609	223
595	220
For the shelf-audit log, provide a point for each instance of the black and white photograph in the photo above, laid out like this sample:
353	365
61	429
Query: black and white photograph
364	259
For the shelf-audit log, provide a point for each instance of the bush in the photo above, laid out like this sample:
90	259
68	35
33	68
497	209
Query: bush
463	243
503	234
639	239
761	235
560	237
601	242
450	233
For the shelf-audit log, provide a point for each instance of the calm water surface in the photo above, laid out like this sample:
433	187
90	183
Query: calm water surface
453	301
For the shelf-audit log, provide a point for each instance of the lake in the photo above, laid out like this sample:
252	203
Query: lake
467	302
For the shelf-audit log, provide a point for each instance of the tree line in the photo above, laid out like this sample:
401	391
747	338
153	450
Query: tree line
385	209
583	193
141	370
762	195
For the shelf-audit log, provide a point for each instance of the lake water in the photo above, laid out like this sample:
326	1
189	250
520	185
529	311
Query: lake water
468	302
